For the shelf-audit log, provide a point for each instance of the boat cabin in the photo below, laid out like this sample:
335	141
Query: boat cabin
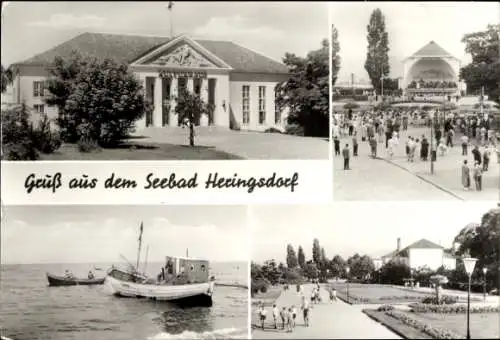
179	270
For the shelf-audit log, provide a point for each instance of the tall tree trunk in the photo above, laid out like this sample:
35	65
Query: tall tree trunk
191	134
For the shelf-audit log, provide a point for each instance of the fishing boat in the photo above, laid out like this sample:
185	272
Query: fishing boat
55	280
181	280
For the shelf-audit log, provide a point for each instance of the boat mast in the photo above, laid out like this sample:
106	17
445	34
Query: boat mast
139	247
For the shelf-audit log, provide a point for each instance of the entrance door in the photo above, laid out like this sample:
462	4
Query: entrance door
211	98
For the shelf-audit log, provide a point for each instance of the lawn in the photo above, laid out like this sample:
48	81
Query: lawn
269	297
376	294
139	151
482	325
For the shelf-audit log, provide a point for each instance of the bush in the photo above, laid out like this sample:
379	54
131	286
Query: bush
385	308
45	140
17	141
101	93
294	129
451	309
445	300
272	130
434	332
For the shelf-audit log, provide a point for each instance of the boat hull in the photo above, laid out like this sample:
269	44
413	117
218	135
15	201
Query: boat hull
191	294
57	281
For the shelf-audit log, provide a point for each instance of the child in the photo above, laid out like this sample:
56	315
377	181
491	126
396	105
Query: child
294	315
283	317
262	314
275	316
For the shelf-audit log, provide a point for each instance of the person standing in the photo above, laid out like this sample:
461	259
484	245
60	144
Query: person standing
346	155
355	144
336	144
373	147
476	154
465	175
478	176
486	157
465	144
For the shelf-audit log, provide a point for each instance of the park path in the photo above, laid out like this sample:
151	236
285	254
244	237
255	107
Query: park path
328	320
394	178
246	144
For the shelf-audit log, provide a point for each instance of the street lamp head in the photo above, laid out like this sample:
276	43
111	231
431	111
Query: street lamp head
469	263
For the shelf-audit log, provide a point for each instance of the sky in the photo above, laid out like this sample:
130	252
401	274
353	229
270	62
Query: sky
29	28
410	26
99	234
346	228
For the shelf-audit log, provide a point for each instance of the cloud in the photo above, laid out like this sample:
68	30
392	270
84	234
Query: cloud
69	21
237	27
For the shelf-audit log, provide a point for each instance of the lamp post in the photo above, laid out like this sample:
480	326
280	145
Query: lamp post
431	114
469	264
485	270
347	269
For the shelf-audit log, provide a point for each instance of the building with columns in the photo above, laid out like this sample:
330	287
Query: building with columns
238	82
431	72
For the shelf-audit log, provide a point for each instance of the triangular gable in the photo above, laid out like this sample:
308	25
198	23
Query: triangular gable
181	52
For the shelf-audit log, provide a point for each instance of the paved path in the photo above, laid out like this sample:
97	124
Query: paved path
396	179
328	320
249	145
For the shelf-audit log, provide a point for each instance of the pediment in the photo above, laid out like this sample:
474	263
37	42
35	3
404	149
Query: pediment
181	56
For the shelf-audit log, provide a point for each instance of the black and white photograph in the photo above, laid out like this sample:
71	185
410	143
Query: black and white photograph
415	100
124	272
165	80
375	271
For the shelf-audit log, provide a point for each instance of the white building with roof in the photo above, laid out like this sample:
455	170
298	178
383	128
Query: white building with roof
238	82
431	71
422	254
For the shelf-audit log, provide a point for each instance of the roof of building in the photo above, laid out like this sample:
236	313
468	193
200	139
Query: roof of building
420	244
127	48
432	49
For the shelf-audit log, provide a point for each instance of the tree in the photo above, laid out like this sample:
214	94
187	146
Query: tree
301	257
306	92
291	257
377	58
191	107
316	252
96	99
337	266
17	141
484	69
7	77
335	55
482	242
361	266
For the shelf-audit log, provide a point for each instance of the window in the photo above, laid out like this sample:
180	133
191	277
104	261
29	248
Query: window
38	88
39	108
246	104
262	104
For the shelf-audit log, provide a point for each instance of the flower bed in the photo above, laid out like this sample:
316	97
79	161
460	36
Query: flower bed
436	333
451	309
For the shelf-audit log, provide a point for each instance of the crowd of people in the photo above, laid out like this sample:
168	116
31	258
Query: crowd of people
384	128
285	317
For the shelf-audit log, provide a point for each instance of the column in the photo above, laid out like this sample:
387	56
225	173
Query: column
141	123
157	111
172	119
204	97
190	84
